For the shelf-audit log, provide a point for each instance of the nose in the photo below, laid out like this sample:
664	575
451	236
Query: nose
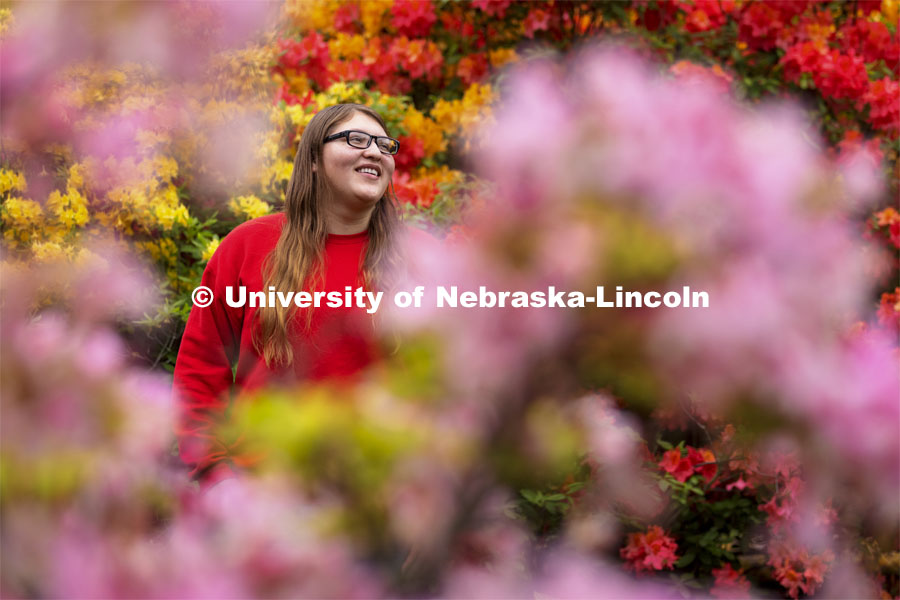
372	151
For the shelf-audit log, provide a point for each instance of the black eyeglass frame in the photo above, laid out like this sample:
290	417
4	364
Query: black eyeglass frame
346	134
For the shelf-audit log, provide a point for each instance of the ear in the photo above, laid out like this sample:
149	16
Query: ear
314	167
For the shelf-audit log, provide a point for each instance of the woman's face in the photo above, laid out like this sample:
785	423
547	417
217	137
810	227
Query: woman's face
342	164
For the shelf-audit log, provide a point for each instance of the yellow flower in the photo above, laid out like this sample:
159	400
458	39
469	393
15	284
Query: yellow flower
373	14
476	112
466	116
442	174
339	93
889	10
632	16
502	56
148	140
150	248
76	176
284	170
11	180
242	73
274	175
168	250
70	208
427	130
299	116
165	168
6	20
168	210
311	16
347	47
446	114
162	250
83	257
131	205
21	219
249	207
167	215
211	248
49	251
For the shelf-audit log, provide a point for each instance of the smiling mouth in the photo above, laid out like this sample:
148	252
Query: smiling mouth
368	172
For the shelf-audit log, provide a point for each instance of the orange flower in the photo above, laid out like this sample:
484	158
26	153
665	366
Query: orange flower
887	217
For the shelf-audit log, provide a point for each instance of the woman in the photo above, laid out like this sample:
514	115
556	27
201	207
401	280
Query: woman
336	231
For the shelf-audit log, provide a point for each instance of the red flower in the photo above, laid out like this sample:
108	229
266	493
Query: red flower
680	468
420	192
853	142
871	39
889	308
472	68
412	151
791	580
884	112
284	93
700	461
345	18
651	551
704	15
759	25
692	72
348	70
451	21
802	58
420	58
795	569
493	8
308	55
413	18
536	20
730	583
846	77
703	461
381	67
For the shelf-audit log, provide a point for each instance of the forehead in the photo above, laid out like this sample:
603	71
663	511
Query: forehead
359	122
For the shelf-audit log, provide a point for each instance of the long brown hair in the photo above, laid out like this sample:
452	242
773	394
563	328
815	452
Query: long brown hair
297	260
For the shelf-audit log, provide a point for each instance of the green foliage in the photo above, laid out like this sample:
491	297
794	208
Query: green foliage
544	510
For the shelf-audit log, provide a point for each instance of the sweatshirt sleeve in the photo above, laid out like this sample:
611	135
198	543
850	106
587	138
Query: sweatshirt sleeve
203	377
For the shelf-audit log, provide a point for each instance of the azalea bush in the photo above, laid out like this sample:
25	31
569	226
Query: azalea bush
748	149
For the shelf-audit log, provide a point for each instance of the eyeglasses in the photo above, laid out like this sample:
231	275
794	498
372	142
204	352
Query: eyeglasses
362	140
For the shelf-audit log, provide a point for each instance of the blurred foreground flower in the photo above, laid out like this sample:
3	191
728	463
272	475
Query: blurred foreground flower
419	479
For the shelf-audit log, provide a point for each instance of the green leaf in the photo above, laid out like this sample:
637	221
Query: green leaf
532	496
686	560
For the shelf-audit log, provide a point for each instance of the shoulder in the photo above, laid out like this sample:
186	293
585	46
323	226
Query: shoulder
267	225
261	231
249	241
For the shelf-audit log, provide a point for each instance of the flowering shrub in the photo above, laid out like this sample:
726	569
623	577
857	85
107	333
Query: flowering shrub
720	464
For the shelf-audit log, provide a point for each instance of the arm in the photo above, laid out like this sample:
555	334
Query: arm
203	373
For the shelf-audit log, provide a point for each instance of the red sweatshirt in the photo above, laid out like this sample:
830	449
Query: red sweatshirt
339	343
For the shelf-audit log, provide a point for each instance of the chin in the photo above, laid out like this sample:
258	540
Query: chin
370	200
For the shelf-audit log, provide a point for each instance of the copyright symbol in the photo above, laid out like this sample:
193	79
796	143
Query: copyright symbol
202	296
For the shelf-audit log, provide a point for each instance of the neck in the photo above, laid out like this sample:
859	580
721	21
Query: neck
342	221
